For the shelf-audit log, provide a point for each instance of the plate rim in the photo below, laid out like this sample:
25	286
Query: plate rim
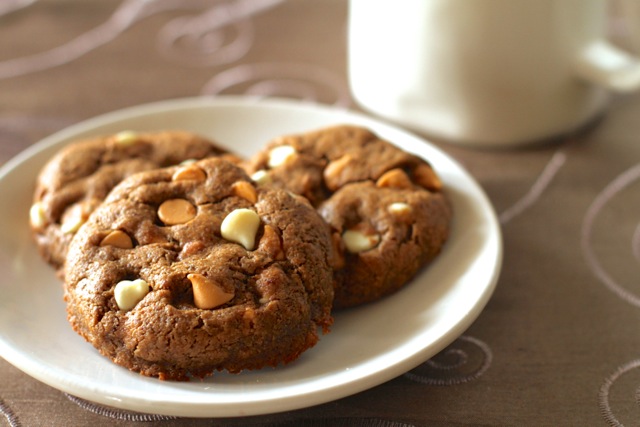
266	404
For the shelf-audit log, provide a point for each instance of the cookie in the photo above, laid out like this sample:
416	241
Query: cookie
185	271
388	212
385	235
78	178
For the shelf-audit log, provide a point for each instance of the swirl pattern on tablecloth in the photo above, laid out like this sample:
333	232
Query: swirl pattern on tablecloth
9	415
465	360
629	394
202	30
117	414
295	80
220	35
536	190
122	415
605	202
622	182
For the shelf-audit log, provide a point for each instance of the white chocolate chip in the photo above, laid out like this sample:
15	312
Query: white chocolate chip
241	226
356	241
76	215
399	208
279	155
261	177
72	224
126	138
37	215
187	162
128	293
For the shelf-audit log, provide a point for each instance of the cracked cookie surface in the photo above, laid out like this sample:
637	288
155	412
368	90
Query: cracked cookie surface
386	207
205	272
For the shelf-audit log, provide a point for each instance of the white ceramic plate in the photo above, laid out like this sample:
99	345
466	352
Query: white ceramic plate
367	346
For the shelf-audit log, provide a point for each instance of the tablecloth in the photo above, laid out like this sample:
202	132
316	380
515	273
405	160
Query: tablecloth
558	342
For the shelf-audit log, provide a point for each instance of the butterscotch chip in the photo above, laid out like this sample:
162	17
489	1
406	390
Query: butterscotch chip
246	190
352	176
211	303
425	176
192	248
271	243
118	239
206	293
176	211
394	178
189	174
81	175
335	169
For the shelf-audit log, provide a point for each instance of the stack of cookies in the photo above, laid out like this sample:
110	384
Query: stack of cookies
180	259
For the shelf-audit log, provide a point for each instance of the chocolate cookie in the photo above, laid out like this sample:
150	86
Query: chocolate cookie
183	271
386	207
76	180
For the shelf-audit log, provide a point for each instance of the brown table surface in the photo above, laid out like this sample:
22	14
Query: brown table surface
558	342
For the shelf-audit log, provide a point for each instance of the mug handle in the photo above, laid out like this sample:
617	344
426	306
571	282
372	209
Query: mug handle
608	66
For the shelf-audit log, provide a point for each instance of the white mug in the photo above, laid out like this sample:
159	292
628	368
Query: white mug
485	72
